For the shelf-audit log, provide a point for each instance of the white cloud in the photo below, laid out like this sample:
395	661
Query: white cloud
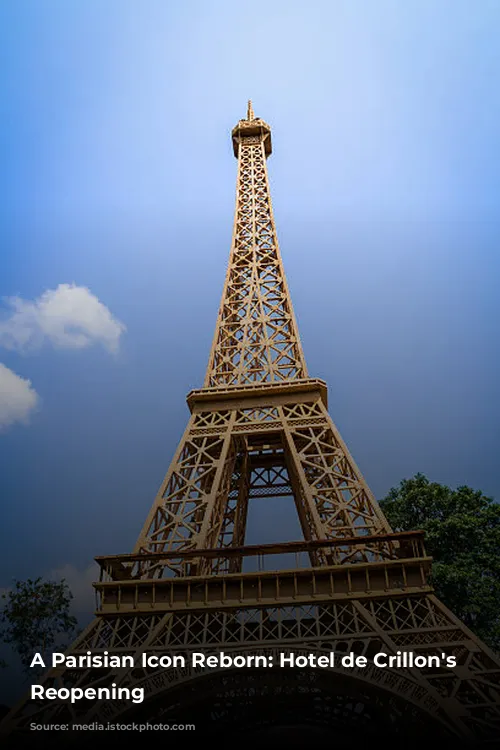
70	317
17	398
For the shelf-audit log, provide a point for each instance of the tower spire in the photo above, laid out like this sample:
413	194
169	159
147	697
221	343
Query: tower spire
256	338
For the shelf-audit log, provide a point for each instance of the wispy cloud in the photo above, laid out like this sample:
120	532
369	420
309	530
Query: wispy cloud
69	317
17	398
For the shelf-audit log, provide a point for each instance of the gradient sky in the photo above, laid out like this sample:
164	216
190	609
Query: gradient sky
118	176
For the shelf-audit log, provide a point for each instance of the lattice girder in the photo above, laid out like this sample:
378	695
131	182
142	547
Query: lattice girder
288	448
464	699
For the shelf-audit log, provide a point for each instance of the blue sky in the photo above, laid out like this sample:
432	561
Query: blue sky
118	177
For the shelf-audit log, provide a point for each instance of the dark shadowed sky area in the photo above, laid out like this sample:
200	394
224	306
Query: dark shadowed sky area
118	177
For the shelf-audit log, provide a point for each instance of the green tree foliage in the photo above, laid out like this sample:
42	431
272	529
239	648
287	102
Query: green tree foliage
35	618
462	533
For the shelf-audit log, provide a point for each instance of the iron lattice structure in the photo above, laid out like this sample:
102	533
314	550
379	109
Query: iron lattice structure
260	427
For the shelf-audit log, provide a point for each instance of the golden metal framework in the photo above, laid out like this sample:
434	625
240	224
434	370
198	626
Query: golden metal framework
259	427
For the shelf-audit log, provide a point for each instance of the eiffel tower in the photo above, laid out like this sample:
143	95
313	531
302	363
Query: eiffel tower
259	428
